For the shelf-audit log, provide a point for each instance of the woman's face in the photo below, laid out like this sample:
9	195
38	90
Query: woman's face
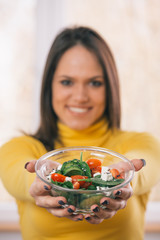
78	89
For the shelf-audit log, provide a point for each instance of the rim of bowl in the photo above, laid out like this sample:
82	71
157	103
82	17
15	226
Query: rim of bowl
85	148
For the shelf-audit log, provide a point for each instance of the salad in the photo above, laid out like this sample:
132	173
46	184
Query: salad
89	175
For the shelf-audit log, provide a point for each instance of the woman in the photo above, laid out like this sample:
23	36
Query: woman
80	105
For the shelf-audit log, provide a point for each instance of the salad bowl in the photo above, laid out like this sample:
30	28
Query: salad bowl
84	175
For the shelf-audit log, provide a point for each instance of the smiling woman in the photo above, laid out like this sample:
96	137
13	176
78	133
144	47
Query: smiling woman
84	84
80	106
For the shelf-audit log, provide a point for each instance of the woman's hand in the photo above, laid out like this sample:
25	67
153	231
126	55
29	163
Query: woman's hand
42	195
111	206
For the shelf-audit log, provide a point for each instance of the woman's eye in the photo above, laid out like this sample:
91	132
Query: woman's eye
96	83
66	82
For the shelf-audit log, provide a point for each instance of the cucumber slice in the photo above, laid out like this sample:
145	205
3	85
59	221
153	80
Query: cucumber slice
72	171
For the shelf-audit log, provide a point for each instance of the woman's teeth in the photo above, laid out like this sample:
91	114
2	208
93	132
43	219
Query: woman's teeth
78	110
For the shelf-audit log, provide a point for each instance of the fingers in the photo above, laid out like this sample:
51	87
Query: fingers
42	195
30	166
105	213
38	188
56	206
138	163
68	212
125	166
110	206
63	212
124	193
113	204
50	202
100	214
78	217
93	219
120	200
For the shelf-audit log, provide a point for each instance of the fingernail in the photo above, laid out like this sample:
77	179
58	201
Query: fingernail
106	202
118	193
46	188
87	218
61	202
96	209
25	166
70	210
80	219
144	162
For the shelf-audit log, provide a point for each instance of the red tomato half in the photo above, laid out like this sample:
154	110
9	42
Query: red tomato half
121	175
56	177
76	177
97	169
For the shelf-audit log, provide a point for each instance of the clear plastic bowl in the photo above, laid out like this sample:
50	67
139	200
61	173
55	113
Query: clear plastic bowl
81	199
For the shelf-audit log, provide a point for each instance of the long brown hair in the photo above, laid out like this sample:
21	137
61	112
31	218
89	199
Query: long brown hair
90	39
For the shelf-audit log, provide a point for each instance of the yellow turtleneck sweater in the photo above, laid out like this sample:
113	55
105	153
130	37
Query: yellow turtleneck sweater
38	224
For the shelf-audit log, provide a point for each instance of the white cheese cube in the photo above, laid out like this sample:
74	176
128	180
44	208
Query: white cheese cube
68	179
106	175
104	169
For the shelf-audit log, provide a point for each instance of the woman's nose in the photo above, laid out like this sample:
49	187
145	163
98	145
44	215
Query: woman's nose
81	94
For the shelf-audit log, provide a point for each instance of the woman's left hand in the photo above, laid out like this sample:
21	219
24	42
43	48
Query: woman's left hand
111	206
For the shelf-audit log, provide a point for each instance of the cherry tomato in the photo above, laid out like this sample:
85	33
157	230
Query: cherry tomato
116	174
76	185
76	177
93	163
56	177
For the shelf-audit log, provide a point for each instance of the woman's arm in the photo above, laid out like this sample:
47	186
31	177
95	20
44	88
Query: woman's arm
13	156
146	147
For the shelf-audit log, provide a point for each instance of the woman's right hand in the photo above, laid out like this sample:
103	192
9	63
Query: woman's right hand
42	195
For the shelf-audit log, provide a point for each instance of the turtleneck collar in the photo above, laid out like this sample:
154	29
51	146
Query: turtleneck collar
94	135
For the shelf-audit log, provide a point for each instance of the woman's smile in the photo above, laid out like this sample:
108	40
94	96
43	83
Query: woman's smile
79	110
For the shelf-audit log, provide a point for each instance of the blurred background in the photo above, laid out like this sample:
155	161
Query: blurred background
27	29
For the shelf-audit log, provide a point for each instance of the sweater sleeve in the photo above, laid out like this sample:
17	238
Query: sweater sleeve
144	146
13	156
